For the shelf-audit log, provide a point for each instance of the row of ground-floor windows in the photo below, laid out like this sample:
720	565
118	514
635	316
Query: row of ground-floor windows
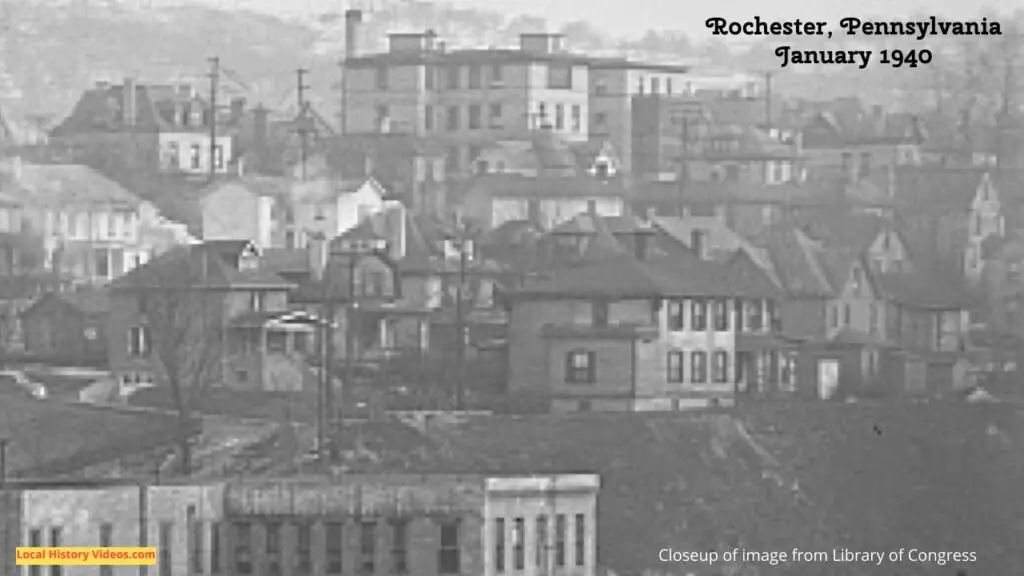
718	367
236	548
368	558
544	551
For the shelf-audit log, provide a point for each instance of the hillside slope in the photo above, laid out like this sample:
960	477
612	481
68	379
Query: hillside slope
939	478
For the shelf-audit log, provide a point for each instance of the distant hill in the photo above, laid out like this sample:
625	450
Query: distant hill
50	50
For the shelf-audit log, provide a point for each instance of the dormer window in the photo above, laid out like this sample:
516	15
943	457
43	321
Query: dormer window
602	169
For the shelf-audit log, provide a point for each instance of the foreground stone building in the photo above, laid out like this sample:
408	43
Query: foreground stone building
366	524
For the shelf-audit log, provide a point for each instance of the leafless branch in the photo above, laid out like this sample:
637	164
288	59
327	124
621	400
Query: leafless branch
183	318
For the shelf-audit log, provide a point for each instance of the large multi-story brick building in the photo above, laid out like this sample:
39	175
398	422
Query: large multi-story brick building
468	98
366	524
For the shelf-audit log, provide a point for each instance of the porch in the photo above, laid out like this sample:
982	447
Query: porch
268	351
766	365
389	329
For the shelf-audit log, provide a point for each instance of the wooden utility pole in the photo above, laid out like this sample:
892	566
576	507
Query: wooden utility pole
303	117
768	101
214	85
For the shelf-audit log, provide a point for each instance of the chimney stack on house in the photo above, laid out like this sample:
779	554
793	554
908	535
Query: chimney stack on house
353	28
699	243
130	106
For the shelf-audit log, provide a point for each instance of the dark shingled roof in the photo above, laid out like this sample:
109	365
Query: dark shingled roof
936	189
515	185
919	290
211	265
610	272
88	302
797	261
64	184
793	194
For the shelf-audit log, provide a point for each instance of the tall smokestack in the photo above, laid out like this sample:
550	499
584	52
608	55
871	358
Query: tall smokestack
353	25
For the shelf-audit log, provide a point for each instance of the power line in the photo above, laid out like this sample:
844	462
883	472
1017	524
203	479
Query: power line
214	81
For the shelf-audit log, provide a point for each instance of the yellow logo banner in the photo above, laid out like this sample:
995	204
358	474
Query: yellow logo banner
85	556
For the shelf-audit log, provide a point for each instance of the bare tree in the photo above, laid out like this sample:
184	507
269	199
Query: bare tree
183	315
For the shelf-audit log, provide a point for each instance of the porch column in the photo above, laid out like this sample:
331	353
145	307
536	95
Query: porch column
766	321
760	369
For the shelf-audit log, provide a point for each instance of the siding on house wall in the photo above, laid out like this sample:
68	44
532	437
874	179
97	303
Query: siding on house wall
804	317
624	367
529	371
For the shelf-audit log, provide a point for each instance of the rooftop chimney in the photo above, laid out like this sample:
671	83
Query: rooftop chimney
130	106
353	26
698	243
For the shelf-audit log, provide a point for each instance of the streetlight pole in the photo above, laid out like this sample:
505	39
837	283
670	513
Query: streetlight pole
324	381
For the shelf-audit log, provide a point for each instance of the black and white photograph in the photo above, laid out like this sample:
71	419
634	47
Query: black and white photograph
511	288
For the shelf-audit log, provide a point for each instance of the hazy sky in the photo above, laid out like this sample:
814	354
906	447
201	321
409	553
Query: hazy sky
633	17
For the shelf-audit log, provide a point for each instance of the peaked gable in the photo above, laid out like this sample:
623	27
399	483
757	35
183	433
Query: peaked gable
985	192
858	282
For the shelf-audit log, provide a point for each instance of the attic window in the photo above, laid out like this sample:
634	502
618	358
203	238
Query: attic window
602	169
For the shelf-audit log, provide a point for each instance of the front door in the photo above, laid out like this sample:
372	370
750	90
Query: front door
828	378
